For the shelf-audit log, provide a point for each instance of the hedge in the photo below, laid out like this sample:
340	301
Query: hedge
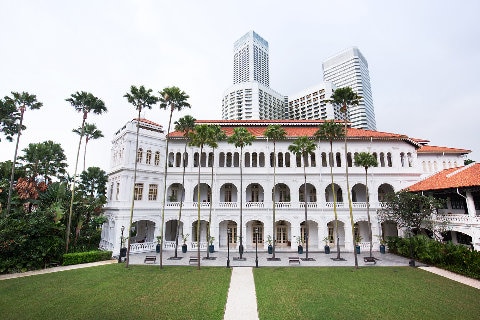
449	256
86	257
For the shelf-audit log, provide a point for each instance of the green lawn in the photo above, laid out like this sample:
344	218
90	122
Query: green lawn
366	293
147	292
115	292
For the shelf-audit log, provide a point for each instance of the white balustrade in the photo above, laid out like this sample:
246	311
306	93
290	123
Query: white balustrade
228	204
203	245
202	204
359	205
309	205
283	204
254	205
330	205
142	247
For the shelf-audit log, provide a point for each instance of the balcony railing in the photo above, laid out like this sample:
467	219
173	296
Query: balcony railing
278	204
254	205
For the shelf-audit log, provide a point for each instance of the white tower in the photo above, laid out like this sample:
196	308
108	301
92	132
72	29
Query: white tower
349	68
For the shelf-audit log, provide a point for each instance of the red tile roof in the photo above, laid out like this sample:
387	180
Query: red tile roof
467	176
435	149
297	128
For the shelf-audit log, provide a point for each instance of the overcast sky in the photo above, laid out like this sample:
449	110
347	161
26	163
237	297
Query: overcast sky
423	60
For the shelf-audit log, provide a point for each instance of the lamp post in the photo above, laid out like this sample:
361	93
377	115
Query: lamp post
229	232
121	245
256	246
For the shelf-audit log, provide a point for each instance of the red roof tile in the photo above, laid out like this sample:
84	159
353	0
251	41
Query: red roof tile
296	128
467	176
435	149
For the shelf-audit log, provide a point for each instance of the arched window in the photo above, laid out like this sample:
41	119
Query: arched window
210	159
185	159
229	160
287	159
349	158
254	159
261	160
389	159
236	157
338	159
178	159
313	161
280	159
382	159
247	159
157	158
203	159
139	155
221	162
272	159
170	159
148	158
409	159
324	159
195	159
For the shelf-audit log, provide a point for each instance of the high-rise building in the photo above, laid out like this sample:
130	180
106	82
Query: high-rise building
312	104
251	97
250	59
349	68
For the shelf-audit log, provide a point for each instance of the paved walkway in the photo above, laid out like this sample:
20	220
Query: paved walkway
242	299
453	276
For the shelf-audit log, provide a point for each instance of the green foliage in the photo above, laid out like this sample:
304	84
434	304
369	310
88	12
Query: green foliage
29	241
46	159
86	257
456	258
93	182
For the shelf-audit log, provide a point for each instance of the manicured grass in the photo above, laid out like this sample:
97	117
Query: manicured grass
365	293
114	292
148	292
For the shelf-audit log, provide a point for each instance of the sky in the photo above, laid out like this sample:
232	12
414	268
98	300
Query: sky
423	59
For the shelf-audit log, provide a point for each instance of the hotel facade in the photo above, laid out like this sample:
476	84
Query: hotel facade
403	161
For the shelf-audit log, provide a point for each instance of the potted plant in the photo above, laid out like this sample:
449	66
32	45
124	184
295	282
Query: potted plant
270	243
358	239
383	242
300	244
327	247
159	240
211	247
184	245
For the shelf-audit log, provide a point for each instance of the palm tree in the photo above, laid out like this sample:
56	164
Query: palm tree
241	137
8	118
345	97
19	102
90	131
332	130
140	98
367	160
200	137
83	102
173	98
274	132
303	147
186	125
217	135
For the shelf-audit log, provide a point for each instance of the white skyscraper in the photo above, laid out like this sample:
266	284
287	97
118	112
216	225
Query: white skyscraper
349	68
251	97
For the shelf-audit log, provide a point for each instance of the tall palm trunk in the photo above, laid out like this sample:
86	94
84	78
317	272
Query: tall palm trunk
368	211
181	202
73	183
350	198
85	153
274	193
165	188
211	201
240	248
330	157
198	208
12	175
307	234
133	190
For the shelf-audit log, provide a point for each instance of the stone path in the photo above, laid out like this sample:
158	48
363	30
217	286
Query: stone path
453	276
242	299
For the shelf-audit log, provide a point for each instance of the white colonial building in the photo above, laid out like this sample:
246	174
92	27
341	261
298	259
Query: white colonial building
400	161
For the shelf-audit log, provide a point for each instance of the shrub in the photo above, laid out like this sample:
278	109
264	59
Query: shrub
85	257
456	258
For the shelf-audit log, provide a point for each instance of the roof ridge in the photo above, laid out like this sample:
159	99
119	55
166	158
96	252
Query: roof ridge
460	170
